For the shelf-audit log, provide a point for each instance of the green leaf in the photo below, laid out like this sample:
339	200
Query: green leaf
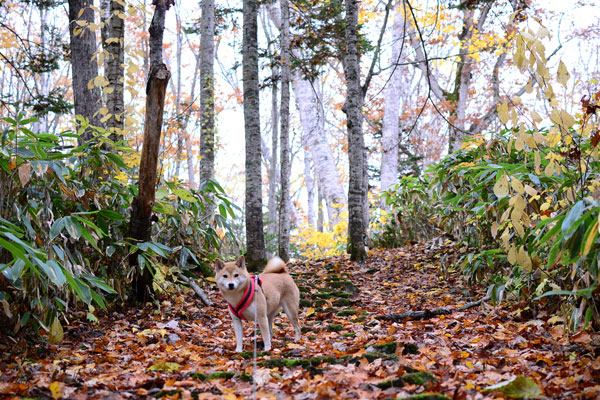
573	215
185	195
53	271
73	227
57	227
165	366
112	215
520	387
80	288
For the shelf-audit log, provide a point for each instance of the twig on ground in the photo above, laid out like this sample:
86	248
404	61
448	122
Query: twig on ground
426	314
205	299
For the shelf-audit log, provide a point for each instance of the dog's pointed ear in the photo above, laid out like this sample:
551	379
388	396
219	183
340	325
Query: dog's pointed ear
241	262
219	265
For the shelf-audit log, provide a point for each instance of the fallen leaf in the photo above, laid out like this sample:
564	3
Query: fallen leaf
520	387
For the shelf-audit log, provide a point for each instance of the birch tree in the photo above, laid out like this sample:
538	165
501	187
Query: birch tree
255	241
310	108
392	99
283	242
207	91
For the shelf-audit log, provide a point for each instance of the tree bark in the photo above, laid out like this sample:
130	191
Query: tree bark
141	214
391	115
284	209
255	240
310	188
273	165
207	91
309	106
113	43
356	146
84	65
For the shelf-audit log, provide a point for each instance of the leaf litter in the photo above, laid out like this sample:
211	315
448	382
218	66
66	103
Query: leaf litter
183	350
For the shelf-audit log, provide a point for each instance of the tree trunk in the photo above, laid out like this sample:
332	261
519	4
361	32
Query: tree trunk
320	199
255	240
391	115
141	214
312	119
356	146
207	91
273	165
84	65
113	43
284	205
310	188
177	89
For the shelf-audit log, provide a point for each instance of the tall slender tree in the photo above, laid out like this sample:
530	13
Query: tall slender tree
390	129
207	91
284	213
255	239
83	63
356	144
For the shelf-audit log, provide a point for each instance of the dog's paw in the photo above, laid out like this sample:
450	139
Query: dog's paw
238	349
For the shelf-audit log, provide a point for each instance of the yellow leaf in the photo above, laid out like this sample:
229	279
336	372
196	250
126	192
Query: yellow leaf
211	279
563	74
549	170
536	117
501	187
469	364
590	240
81	22
503	112
109	90
103	110
519	144
106	118
523	259
517	185
24	173
310	311
55	390
98	81
91	84
512	255
56	333
530	191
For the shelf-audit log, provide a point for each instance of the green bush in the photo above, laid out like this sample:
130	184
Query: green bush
64	222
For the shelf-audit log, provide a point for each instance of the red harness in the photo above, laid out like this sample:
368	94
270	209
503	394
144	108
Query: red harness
246	298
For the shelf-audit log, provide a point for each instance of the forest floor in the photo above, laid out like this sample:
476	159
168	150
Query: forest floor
185	350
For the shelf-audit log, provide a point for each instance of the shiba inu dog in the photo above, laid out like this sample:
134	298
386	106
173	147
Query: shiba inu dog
259	296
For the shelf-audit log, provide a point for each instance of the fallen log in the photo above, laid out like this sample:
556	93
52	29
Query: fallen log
205	299
427	314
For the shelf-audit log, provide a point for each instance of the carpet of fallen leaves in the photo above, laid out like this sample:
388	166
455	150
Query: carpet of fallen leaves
180	349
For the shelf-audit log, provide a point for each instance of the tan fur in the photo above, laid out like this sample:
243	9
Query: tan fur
278	291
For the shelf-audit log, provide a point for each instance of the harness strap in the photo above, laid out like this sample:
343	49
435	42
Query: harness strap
246	298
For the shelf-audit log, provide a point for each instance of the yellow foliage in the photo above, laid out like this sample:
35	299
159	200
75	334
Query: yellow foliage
316	245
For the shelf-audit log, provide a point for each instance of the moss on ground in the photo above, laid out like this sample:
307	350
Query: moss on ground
335	328
426	396
388	348
215	375
250	354
410	348
305	303
342	303
331	295
349	334
421	378
374	355
347	313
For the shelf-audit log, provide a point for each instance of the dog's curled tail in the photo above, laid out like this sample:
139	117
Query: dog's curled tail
275	266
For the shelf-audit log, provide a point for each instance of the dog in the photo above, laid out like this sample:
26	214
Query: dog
258	297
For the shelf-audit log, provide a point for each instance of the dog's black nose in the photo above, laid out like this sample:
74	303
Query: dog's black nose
231	286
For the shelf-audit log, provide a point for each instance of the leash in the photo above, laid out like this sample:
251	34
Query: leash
254	362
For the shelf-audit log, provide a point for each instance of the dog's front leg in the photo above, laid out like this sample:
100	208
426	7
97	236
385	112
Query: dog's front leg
239	333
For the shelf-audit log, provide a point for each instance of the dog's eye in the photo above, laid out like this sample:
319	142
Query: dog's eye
224	275
236	275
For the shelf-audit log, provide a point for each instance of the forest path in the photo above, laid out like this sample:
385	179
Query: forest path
184	350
